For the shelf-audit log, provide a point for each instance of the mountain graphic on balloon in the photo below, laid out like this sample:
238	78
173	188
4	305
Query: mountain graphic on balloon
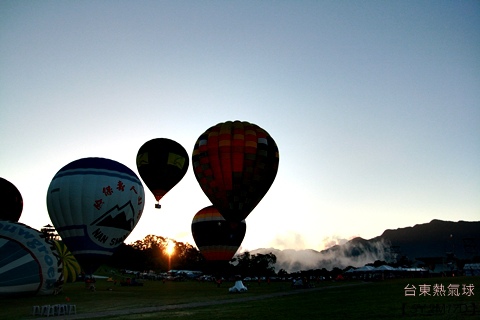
117	218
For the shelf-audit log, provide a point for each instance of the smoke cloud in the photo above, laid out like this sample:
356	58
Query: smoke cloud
343	253
332	241
292	240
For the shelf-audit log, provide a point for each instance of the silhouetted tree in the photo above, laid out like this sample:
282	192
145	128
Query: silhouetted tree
127	257
154	251
264	264
151	254
335	272
188	257
282	273
256	265
243	263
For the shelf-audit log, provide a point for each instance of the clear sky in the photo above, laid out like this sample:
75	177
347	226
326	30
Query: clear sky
374	105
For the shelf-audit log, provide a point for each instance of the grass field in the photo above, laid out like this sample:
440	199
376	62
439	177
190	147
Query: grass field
201	300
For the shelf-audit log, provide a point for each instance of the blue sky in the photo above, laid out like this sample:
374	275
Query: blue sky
375	106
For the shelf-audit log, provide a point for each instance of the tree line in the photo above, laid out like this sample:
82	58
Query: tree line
151	254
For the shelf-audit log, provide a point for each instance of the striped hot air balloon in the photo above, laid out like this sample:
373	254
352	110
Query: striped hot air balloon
216	238
29	263
235	164
94	204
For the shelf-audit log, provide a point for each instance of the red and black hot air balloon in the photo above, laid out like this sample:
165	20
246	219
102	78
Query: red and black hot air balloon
11	200
235	164
216	238
161	163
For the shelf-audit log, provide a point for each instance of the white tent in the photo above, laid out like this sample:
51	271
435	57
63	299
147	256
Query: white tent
385	268
365	269
372	269
472	269
238	287
412	269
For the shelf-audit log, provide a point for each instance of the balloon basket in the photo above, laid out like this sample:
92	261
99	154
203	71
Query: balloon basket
157	206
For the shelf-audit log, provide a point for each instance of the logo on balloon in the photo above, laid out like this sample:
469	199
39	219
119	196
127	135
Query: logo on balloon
107	229
176	160
111	228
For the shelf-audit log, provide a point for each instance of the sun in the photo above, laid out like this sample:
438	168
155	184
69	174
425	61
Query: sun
170	249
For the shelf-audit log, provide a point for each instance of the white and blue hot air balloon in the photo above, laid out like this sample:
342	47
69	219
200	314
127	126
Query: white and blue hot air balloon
29	263
94	204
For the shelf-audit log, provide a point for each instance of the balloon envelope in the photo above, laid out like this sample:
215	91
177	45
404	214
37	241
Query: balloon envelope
94	204
235	164
11	200
29	263
161	163
216	238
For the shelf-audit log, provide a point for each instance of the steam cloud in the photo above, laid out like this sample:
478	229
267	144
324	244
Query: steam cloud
341	254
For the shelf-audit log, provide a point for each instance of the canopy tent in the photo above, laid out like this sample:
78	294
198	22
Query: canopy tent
385	268
472	269
238	287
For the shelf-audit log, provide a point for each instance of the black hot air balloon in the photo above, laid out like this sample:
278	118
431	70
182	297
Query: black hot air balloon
216	238
235	164
161	163
11	200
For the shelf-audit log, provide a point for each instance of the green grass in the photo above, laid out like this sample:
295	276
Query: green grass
329	300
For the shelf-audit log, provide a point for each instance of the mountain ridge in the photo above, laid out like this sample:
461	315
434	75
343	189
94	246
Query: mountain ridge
436	238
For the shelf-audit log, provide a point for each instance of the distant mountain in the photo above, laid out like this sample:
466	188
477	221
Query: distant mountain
433	239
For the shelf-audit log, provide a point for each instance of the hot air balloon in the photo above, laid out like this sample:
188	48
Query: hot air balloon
235	164
29	263
94	204
216	238
11	200
71	268
161	163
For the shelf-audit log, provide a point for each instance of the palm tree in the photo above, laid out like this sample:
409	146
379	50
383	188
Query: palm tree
70	265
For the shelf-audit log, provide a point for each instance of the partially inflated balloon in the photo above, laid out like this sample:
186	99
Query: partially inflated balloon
11	201
29	263
94	204
161	163
217	239
235	164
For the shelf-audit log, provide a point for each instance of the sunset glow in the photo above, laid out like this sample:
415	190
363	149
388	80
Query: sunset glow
170	249
374	107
